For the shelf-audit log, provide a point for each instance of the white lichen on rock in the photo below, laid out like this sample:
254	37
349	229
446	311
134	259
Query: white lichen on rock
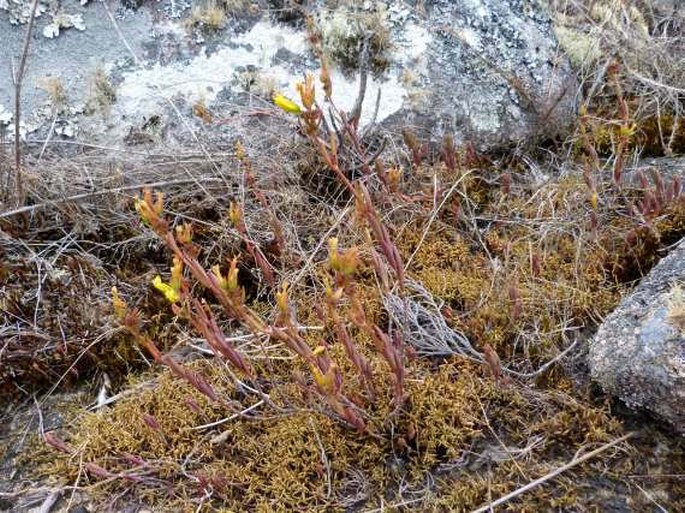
62	21
5	116
20	10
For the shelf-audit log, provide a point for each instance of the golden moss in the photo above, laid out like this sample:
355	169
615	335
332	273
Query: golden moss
445	266
305	461
660	134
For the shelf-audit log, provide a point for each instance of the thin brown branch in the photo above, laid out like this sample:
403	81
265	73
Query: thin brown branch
363	77
574	462
18	80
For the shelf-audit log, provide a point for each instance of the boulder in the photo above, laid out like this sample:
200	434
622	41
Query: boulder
491	73
638	353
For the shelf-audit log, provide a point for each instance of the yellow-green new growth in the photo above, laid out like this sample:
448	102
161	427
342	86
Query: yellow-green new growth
229	282
345	262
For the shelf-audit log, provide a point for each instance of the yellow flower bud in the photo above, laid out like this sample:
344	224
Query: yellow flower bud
594	200
235	214
287	105
306	91
158	205
240	151
348	262
282	299
334	295
169	293
232	277
146	208
176	274
343	263
394	176
333	253
326	381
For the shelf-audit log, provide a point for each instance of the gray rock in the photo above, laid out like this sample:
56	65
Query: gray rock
638	353
487	71
492	74
669	170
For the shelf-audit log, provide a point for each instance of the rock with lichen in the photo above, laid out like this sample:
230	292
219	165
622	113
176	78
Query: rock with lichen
491	73
20	10
638	353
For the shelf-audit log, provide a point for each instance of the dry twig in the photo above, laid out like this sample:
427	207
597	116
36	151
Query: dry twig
574	462
18	80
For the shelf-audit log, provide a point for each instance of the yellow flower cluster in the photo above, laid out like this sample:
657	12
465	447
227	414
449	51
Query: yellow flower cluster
344	263
148	208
